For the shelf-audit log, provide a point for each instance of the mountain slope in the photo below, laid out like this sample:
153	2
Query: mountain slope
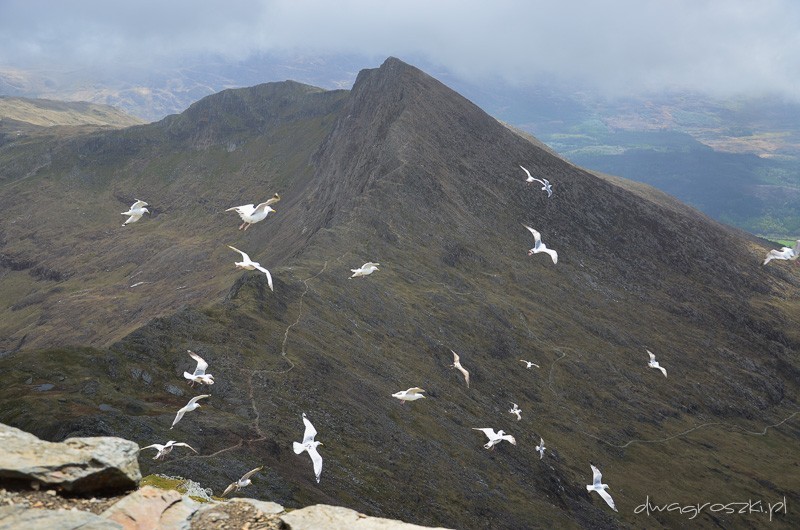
405	172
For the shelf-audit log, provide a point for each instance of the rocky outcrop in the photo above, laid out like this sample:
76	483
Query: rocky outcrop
76	465
16	517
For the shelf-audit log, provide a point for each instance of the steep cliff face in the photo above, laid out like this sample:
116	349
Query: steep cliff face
403	171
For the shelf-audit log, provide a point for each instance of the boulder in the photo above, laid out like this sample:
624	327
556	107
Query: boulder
338	518
96	465
152	507
17	517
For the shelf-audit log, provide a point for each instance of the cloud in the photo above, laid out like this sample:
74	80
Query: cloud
717	46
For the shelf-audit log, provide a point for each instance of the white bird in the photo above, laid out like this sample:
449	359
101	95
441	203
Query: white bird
252	214
192	405
311	446
495	437
546	186
199	375
242	482
540	448
600	488
528	364
538	246
365	270
787	253
250	265
412	394
515	410
164	450
457	365
654	364
136	211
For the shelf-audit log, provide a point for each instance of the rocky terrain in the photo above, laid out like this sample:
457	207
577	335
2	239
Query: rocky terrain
96	318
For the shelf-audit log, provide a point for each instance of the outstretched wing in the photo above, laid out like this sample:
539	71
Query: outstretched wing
176	444
415	390
201	364
316	459
597	477
251	473
652	357
139	204
245	257
269	276
553	254
310	433
275	198
197	398
229	489
488	431
158	447
537	237
246	209
606	497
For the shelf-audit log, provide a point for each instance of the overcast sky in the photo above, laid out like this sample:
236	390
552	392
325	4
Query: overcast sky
719	46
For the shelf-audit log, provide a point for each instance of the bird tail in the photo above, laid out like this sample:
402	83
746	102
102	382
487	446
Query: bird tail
298	448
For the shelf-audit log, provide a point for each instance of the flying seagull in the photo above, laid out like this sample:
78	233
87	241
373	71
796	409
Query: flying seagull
457	364
242	482
192	405
600	488
136	211
412	394
250	265
164	450
654	364
787	253
365	270
528	364
539	246
251	214
546	186
311	446
199	375
495	437
515	410
541	448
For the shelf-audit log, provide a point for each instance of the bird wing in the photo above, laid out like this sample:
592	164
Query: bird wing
229	488
488	431
158	447
176	444
310	433
597	477
316	459
178	416
652	357
553	254
606	497
537	237
298	448
466	374
245	257
275	198
510	439
265	271
201	364
250	473
663	370
138	204
197	398
133	218
415	390
456	358
246	209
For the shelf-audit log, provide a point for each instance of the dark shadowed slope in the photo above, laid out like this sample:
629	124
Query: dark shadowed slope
404	172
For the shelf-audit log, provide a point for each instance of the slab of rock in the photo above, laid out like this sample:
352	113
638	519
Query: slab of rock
338	518
267	507
152	507
17	517
76	465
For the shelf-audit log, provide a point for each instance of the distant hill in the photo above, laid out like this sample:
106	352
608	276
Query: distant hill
47	113
96	318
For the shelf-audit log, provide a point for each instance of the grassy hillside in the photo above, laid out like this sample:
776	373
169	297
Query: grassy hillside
402	171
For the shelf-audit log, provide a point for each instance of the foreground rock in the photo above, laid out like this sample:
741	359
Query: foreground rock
76	465
338	518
